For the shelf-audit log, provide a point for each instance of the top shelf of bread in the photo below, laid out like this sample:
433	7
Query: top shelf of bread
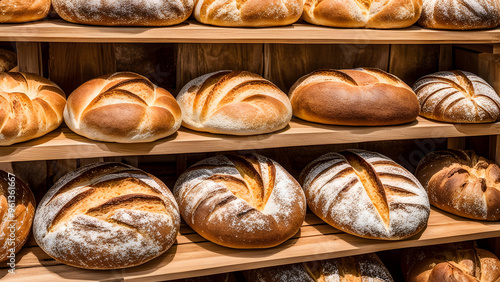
194	32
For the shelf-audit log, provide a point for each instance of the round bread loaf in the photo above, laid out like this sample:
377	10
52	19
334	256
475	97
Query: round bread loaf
20	11
450	263
458	97
363	13
17	209
234	102
462	183
358	97
8	60
106	216
460	14
366	194
31	107
241	201
249	13
124	12
122	107
357	268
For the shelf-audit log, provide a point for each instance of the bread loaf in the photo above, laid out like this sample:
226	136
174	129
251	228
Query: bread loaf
458	97
8	60
358	97
250	13
363	13
234	102
460	14
241	201
365	194
462	183
17	209
122	107
31	107
20	11
357	268
106	216
450	263
124	12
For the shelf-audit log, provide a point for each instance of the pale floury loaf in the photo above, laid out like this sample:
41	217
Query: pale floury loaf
20	11
366	194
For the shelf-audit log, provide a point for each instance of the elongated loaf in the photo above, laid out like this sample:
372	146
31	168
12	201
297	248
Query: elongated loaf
234	102
241	201
106	216
20	11
365	194
8	60
363	13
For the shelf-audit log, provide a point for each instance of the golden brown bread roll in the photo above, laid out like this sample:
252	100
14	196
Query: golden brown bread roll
366	267
250	13
20	11
363	13
462	183
357	97
8	60
17	209
124	12
458	97
450	263
234	102
241	201
106	216
31	107
365	194
122	107
460	14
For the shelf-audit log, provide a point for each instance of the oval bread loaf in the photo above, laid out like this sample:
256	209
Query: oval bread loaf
241	201
106	216
8	60
365	194
20	11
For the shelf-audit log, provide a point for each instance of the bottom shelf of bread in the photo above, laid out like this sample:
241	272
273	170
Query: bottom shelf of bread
192	255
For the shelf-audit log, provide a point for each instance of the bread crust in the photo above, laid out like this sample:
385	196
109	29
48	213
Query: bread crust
20	11
8	60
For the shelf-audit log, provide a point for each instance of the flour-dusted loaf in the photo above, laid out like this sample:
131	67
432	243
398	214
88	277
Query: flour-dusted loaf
17	209
122	107
458	97
124	12
460	14
8	60
357	97
20	11
106	216
234	102
241	201
363	13
250	13
363	268
463	262
31	107
462	183
365	194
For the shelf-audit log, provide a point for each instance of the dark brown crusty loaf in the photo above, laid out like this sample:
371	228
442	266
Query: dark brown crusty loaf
357	97
450	263
241	201
8	60
366	267
462	183
365	194
20	11
20	214
106	216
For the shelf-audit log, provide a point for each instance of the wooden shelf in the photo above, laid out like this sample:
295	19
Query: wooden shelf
194	32
194	256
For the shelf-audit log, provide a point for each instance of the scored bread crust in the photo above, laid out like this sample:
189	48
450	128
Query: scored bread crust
363	13
106	216
31	105
8	60
248	13
20	11
357	97
234	102
458	97
365	194
122	107
241	201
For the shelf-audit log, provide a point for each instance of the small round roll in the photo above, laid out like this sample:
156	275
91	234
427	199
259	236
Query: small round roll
20	11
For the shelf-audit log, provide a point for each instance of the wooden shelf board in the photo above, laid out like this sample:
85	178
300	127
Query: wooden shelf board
194	32
194	256
64	144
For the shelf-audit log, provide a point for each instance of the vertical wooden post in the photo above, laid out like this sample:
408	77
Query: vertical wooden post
29	57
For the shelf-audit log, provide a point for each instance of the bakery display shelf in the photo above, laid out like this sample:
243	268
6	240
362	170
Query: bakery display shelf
194	32
194	256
